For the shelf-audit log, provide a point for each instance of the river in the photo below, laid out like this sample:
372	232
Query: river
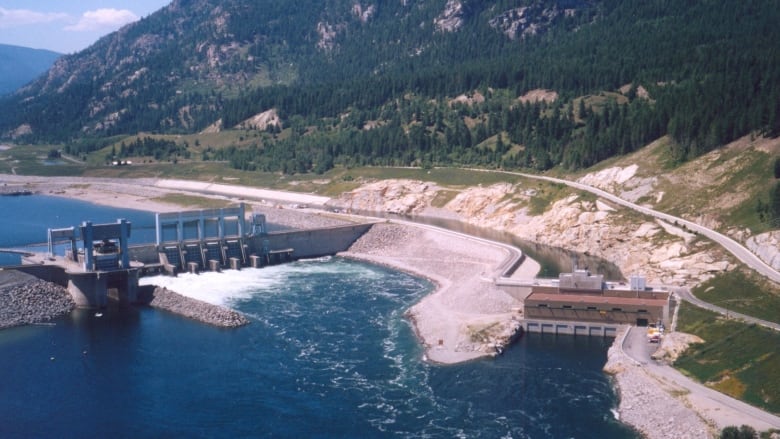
328	353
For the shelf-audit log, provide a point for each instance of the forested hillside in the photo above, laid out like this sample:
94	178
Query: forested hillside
427	82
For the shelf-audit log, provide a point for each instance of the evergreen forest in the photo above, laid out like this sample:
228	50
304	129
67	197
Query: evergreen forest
624	73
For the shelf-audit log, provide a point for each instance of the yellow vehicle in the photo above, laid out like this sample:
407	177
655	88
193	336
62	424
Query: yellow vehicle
653	334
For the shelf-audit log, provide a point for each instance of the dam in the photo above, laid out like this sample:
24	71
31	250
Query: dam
99	264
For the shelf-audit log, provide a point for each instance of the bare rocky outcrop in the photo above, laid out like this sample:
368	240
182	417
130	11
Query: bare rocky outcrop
609	178
216	127
539	95
767	247
673	344
262	121
403	197
327	33
526	21
363	13
451	18
662	252
21	130
470	99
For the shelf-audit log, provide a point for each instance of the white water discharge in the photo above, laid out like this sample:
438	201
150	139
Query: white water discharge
224	287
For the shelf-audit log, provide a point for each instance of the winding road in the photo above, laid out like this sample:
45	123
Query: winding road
686	295
732	246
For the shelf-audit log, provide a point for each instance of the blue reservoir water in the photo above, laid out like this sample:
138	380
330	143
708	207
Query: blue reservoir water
24	221
328	353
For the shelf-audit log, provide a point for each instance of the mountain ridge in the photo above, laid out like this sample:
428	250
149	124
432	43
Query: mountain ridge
197	45
20	65
346	74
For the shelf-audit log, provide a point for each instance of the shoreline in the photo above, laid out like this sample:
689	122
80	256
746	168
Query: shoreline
181	305
27	300
646	403
465	317
475	311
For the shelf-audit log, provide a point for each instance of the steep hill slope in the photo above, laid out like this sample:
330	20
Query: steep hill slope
381	82
161	72
707	190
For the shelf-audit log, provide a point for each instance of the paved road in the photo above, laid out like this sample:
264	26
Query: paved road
726	410
735	248
686	295
739	251
722	408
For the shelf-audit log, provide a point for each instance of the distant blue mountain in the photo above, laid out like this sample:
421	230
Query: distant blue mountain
20	65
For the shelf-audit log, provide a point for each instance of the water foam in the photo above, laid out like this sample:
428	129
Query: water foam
220	288
227	287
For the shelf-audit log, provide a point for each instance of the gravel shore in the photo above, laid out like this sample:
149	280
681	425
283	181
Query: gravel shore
465	317
165	299
25	300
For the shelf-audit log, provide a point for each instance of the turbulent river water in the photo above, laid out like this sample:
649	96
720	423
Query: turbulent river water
328	353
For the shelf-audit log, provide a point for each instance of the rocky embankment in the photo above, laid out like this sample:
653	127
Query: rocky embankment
25	300
283	219
467	316
163	298
767	247
662	252
646	405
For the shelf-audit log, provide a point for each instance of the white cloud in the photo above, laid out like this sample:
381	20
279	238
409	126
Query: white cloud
22	17
101	19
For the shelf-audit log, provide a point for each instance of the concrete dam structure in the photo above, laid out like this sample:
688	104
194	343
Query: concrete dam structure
99	264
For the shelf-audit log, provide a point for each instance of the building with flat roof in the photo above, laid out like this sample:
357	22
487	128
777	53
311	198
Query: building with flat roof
583	297
595	308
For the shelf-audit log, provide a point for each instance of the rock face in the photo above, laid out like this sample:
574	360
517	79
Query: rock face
262	121
451	19
519	23
767	247
168	300
659	251
606	178
539	95
32	301
403	197
673	344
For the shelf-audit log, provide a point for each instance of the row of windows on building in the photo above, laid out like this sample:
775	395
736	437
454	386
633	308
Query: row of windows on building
590	308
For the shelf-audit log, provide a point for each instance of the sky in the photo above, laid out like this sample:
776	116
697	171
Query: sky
68	26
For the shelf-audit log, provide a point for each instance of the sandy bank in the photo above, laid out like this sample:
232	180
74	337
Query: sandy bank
139	194
149	194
